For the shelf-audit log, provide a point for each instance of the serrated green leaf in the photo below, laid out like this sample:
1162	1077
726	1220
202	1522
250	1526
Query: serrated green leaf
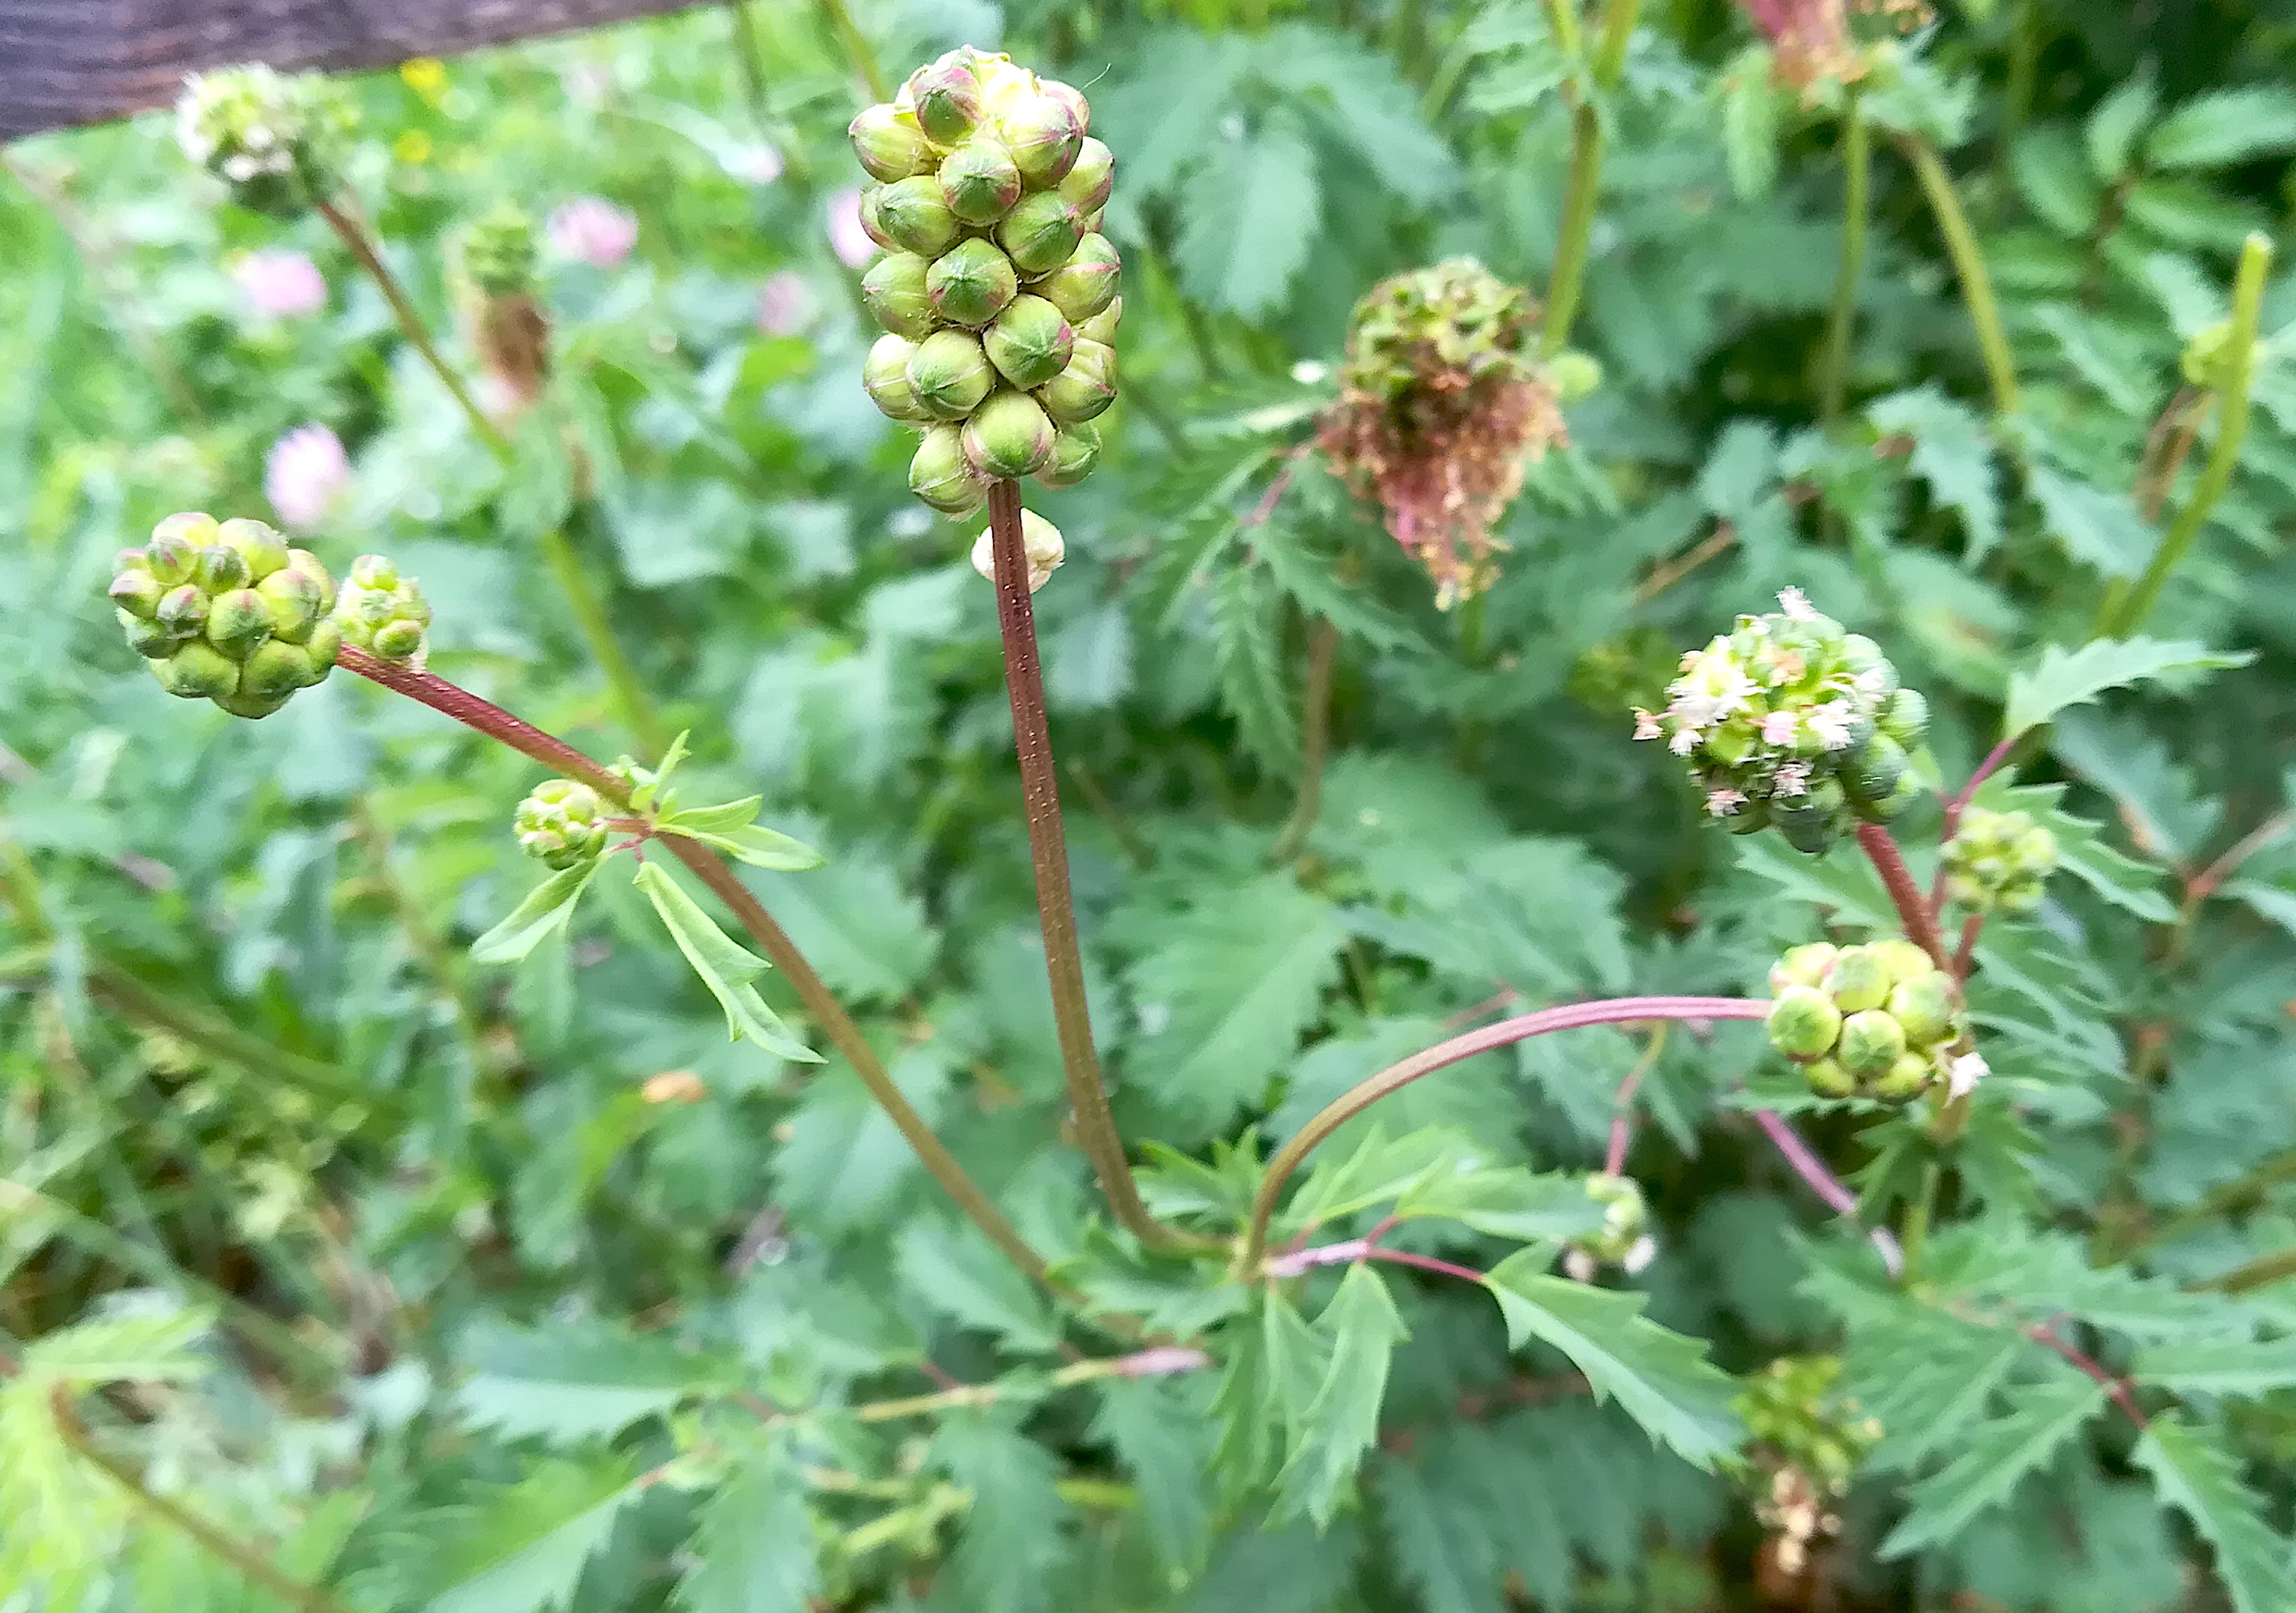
521	1547
1996	1456
2063	678
2198	1475
2082	850
577	1381
961	1276
1248	647
1013	1543
1443	1552
1248	218
546	910
1362	103
2226	126
1233	983
754	1550
2219	1366
1362	1328
724	967
1662	1379
1159	1433
123	1349
1526	1205
1376	1169
2099	527
1953	455
63	1516
2048	167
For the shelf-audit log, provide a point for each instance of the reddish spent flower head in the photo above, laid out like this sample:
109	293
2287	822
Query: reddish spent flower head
1440	402
1813	42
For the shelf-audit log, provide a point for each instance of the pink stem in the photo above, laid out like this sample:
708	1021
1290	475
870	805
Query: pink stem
1425	1263
1823	1182
1918	917
2117	1388
1966	953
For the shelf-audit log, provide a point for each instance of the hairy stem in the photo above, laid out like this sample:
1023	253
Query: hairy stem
707	866
1040	795
2232	430
1857	170
411	324
1568	1015
1969	267
856	45
1585	181
1314	740
240	1554
1914	911
2123	1396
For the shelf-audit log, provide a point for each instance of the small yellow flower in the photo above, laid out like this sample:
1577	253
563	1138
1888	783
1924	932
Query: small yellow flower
413	146
426	76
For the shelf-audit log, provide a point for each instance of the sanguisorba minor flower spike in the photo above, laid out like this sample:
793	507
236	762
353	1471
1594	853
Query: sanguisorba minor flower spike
1877	1022
996	291
1997	862
513	338
383	613
1442	401
1788	720
225	611
275	140
561	824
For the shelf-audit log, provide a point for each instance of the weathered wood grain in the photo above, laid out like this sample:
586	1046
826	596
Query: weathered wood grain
64	62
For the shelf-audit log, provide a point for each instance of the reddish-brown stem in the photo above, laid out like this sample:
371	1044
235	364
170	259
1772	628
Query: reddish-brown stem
1040	795
1823	1182
1425	1263
1966	954
1351	1252
2123	1397
1622	1104
1568	1015
1913	910
1985	770
490	719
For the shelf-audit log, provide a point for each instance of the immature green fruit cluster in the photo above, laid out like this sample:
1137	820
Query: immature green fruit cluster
1788	720
226	611
276	141
382	612
1997	862
998	293
1872	1021
499	250
1803	1429
1623	1239
562	824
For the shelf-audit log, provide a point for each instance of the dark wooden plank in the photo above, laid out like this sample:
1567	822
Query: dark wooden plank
64	62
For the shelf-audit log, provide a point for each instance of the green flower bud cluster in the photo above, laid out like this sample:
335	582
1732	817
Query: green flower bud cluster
2208	356
1040	544
382	612
1790	721
276	141
1997	862
997	292
1798	1418
226	611
1873	1021
499	251
562	824
1623	1239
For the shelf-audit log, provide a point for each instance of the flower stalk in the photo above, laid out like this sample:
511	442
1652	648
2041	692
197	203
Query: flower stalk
1586	176
1314	738
1969	267
1857	170
705	865
1913	910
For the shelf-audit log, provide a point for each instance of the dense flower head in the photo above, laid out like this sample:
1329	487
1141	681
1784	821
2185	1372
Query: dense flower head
997	290
561	824
1790	720
1878	1022
1442	401
1805	1437
592	230
281	284
306	476
1814	43
1623	1239
1997	862
382	612
275	140
226	611
499	250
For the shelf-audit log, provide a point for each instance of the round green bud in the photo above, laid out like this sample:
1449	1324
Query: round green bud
885	376
238	620
1752	818
1039	234
1573	374
1828	1079
133	589
1813	820
1904	1078
1908	791
1923	1008
197	670
980	181
562	824
1042	133
295	600
2035	848
915	216
1871	773
1085	389
871	212
894	291
1076	450
1805	965
1073	99
1086	283
1804	1022
1862	655
382	612
946	96
177	541
889	143
970	283
1871	1043
1009	436
949	374
942	477
1901	959
221	569
1086	186
183	611
1029	343
274	140
147	639
261	550
1101	326
1905	717
1859	981
274	671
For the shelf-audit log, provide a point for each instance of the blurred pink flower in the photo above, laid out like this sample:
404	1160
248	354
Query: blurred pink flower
307	475
846	238
785	303
753	164
592	230
281	285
